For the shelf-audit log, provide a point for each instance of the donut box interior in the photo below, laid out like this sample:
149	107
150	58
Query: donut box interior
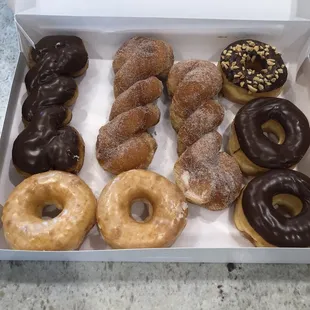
210	236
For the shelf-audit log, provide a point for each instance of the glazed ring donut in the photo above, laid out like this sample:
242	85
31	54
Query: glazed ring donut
24	228
251	69
263	224
167	209
256	153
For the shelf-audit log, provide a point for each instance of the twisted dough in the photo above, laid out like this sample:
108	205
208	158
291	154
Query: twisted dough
124	142
206	176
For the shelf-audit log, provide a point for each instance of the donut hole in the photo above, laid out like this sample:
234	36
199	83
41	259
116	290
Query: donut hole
286	204
141	210
258	64
50	211
274	131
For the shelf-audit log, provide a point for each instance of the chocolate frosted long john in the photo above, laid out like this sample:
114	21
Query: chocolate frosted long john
46	143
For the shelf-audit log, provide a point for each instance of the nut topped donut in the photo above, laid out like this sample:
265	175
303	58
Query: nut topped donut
274	209
251	69
255	152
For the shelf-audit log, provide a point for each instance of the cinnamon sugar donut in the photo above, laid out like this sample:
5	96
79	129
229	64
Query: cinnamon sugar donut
206	176
191	84
24	228
167	206
124	142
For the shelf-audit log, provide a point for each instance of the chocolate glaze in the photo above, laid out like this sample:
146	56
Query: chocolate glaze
70	52
236	60
57	90
260	149
45	145
269	222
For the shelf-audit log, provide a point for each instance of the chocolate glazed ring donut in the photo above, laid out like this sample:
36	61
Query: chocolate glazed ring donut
262	223
251	69
254	151
46	143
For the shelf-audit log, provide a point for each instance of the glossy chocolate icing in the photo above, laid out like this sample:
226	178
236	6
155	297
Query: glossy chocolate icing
57	90
269	222
45	145
237	65
259	148
67	54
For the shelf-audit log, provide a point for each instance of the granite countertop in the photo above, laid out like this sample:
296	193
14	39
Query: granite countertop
70	285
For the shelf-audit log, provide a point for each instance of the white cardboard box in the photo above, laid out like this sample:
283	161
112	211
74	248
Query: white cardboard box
199	31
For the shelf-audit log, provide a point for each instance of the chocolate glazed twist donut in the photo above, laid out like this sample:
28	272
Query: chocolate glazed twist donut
124	142
46	143
206	176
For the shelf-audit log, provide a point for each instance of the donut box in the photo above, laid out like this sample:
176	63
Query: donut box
210	236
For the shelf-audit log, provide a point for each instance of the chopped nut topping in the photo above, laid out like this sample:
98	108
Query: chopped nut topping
264	71
224	52
260	75
261	87
251	43
234	67
273	47
253	58
249	82
282	66
256	48
256	78
268	83
280	70
252	89
269	76
270	68
225	64
273	80
270	62
242	84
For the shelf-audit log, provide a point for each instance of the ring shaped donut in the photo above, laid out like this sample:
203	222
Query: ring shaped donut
23	225
168	212
265	225
275	115
251	69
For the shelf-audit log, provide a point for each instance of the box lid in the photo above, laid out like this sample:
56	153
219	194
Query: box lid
200	9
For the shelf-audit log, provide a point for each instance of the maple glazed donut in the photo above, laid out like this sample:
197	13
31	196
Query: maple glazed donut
274	209
47	143
23	225
251	69
255	152
166	204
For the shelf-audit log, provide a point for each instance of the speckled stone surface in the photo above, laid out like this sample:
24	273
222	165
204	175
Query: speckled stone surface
91	286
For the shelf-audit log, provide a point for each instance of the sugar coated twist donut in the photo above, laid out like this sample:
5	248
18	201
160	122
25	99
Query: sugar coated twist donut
46	143
206	176
124	142
23	225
